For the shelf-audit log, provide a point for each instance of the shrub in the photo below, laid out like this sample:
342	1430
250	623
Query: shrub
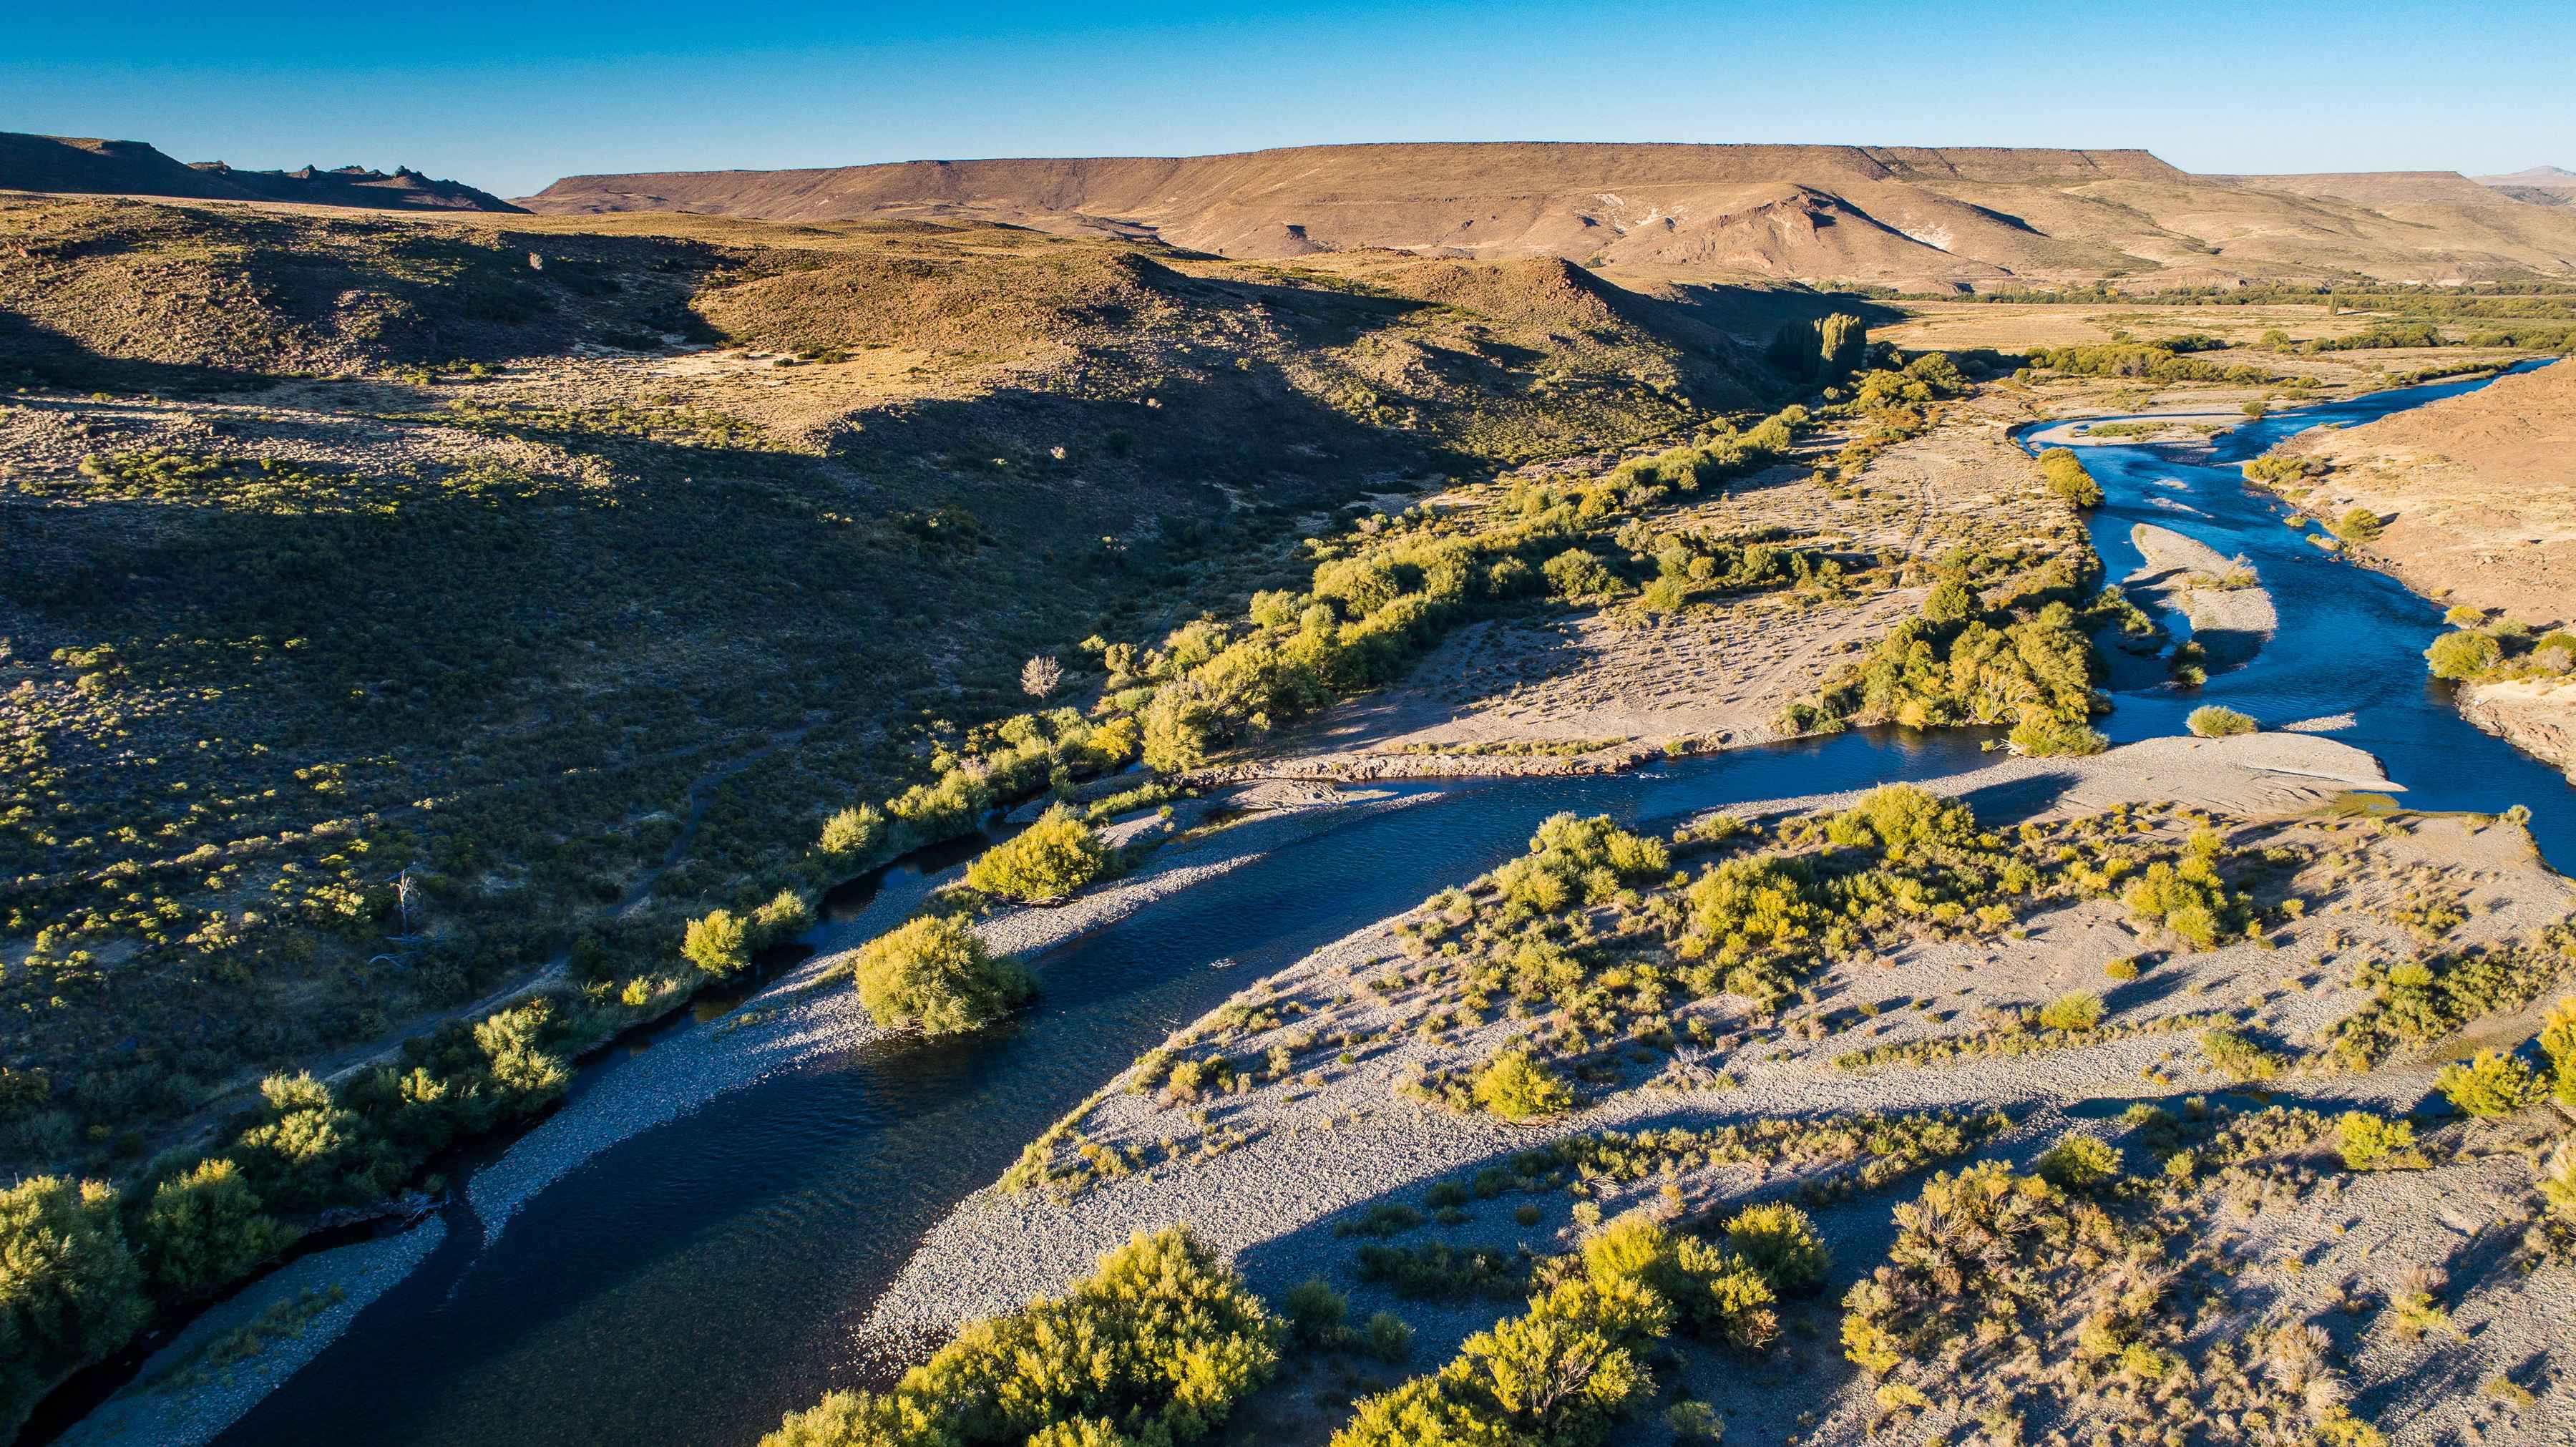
2494	1083
853	832
1515	1087
1050	859
1315	1311
2079	1163
718	943
1386	1337
2359	525
933	975
2233	1054
2463	655
786	916
1951	601
69	1286
1782	1243
2209	721
2064	473
2076	1010
205	1229
1575	573
1694	1422
2044	738
2558	1042
1158	1346
2370	1142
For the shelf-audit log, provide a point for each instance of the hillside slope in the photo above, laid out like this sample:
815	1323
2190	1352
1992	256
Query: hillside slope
1911	216
83	166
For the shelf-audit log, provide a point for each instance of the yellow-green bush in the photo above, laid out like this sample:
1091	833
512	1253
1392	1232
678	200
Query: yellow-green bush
935	976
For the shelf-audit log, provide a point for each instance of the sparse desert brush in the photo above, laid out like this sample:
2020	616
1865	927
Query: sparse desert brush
2415	1308
2211	721
935	976
2123	969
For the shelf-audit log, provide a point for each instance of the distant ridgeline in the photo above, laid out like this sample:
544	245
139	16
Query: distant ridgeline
132	168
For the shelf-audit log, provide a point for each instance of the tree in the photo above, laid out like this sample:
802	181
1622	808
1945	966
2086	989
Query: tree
935	976
1842	341
205	1229
69	1286
718	943
1040	676
2463	655
1050	859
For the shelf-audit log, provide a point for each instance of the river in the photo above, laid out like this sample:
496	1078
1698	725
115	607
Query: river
693	1282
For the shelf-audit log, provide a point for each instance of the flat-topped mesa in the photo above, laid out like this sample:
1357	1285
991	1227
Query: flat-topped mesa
1940	217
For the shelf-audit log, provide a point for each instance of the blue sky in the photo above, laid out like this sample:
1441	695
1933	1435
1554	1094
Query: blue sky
512	96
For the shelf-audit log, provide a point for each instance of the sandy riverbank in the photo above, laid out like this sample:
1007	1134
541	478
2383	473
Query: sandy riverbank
1302	1158
2230	623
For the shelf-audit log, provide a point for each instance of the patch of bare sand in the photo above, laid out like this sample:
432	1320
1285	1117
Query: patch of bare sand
2231	624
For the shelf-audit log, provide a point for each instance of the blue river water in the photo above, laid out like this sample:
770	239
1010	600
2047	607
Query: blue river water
691	1284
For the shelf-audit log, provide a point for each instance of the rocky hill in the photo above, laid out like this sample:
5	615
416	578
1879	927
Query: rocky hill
1917	218
132	168
2539	185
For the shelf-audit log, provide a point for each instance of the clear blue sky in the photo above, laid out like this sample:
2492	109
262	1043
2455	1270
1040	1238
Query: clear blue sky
510	97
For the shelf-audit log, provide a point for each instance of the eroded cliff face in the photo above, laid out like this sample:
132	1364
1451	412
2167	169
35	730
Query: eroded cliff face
2536	716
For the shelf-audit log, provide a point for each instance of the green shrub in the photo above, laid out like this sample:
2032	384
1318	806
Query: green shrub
783	918
2079	1163
2369	1142
1514	1087
2358	525
1050	859
1386	1337
1575	573
69	1287
1157	1346
935	976
2494	1083
1782	1243
1315	1311
2558	1042
1563	1373
2232	1053
854	832
2210	721
2075	1011
2463	655
204	1229
2065	475
718	943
